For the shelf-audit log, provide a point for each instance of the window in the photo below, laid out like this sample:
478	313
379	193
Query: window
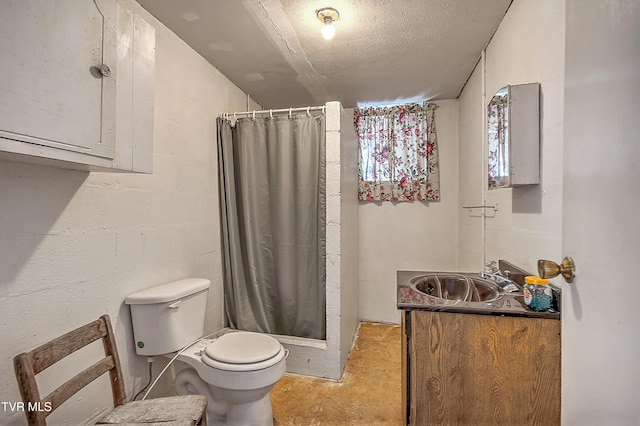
398	153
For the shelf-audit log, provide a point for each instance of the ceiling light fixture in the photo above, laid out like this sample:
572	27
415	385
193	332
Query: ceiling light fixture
328	15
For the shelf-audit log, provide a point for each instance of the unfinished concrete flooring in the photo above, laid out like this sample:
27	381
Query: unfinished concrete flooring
369	392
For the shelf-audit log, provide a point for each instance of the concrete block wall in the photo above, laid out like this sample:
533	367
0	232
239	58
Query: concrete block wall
333	239
349	234
74	244
326	358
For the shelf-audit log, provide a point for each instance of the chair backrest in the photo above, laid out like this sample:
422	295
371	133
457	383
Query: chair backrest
28	365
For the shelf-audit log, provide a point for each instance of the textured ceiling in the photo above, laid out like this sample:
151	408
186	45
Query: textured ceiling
384	51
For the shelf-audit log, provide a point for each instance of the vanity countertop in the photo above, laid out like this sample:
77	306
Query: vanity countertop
511	304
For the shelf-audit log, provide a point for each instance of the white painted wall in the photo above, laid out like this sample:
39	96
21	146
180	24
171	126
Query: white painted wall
529	47
472	177
411	235
74	244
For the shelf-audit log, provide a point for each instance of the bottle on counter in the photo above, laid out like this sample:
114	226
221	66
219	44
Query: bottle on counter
537	293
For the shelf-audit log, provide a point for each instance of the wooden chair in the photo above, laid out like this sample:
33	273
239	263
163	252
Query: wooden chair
177	410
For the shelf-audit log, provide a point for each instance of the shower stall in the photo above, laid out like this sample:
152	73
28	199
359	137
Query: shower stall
316	243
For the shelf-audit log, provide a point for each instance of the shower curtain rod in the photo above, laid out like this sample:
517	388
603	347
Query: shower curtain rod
271	111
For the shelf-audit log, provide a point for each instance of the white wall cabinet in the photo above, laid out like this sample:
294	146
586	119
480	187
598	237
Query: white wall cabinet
76	86
513	130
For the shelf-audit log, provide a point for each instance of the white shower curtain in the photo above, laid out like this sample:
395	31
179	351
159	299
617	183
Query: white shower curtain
272	203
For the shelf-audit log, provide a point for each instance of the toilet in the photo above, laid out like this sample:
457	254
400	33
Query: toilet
236	370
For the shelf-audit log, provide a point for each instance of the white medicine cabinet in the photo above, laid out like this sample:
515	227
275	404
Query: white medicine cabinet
513	130
77	85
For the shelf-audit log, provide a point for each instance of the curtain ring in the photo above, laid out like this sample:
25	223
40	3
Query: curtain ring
270	113
254	115
290	110
235	117
308	113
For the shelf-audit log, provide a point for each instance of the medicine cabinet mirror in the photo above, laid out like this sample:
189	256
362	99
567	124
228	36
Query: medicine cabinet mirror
513	130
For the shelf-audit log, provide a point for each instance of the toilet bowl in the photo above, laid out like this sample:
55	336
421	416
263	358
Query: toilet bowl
236	371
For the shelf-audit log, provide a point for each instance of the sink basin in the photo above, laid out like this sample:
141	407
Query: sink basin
465	293
457	287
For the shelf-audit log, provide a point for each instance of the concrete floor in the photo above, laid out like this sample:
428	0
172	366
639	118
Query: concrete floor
369	392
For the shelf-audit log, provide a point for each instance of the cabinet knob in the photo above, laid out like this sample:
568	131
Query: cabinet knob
105	70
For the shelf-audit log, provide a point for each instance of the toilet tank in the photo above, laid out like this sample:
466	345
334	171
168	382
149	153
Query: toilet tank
169	316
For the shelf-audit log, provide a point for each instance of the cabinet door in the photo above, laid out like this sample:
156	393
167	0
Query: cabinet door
484	370
513	135
51	91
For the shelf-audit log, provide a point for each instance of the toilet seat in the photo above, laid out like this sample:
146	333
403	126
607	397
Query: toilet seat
243	351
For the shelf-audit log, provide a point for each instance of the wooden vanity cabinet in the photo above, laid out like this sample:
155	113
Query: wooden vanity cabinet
467	369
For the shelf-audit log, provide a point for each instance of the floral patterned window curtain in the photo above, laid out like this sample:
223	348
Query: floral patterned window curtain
398	153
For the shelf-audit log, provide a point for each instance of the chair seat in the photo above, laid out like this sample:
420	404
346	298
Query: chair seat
176	423
165	411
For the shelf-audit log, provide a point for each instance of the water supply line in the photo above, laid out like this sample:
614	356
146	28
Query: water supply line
150	360
198	340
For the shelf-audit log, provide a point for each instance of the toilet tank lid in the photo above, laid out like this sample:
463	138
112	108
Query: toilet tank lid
168	292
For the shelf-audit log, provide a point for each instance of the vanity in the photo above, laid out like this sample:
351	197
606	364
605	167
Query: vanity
473	354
